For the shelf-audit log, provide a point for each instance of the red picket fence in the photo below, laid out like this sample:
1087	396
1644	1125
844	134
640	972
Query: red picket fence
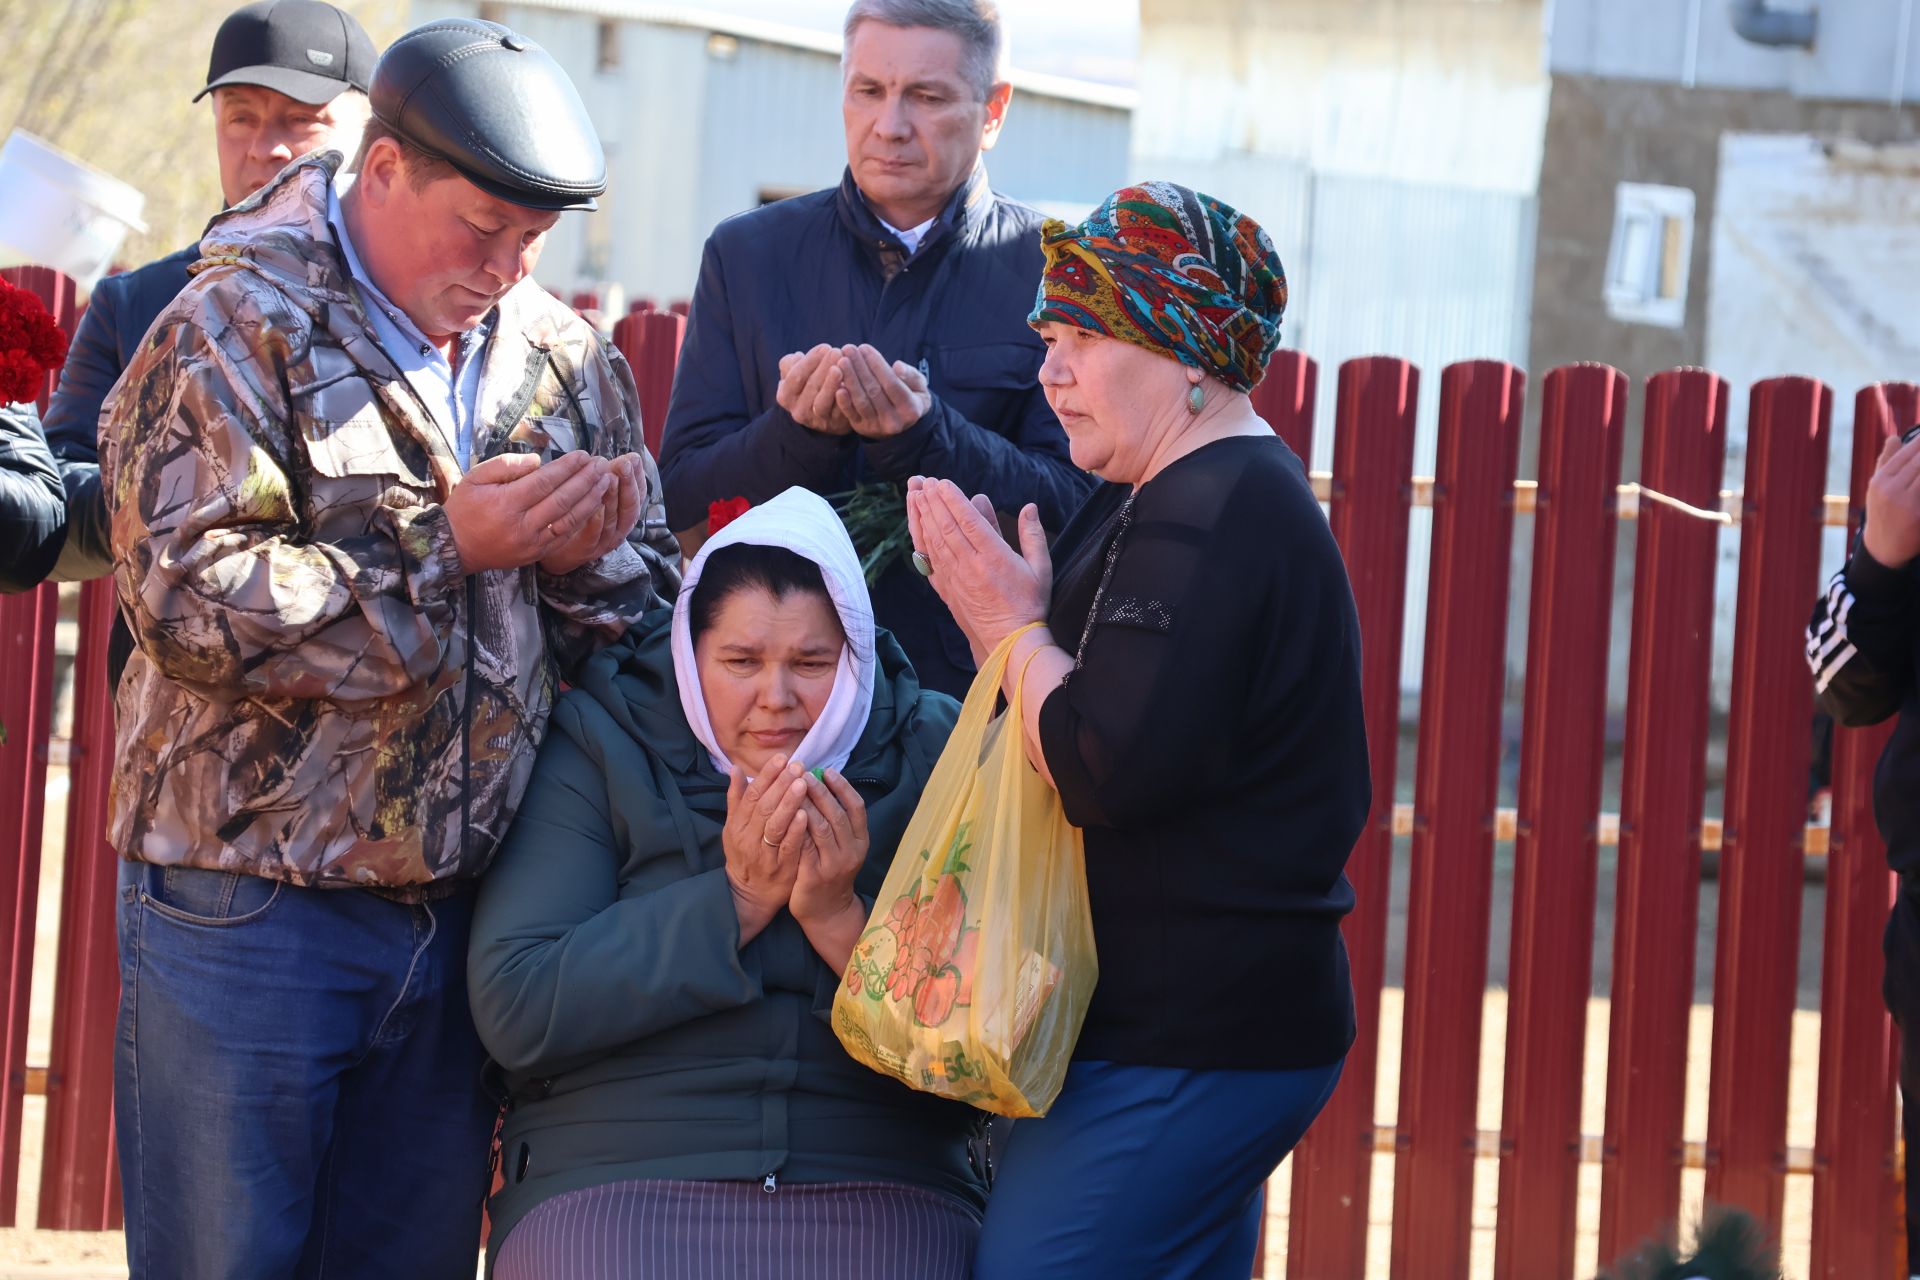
1454	822
650	340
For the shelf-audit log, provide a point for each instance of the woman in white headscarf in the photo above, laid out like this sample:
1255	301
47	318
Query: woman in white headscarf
656	948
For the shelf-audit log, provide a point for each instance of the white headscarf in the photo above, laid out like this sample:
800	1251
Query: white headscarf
803	523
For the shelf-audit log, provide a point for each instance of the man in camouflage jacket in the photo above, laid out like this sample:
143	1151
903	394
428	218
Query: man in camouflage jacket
351	599
321	694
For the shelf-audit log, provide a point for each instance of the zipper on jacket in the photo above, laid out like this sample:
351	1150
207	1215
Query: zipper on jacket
772	1184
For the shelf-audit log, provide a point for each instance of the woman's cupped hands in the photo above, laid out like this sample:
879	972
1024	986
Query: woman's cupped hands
992	589
793	839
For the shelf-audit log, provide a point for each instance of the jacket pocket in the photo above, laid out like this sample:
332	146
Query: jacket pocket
988	366
548	436
987	383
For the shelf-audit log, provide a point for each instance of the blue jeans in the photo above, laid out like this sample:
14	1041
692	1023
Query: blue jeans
296	1081
1145	1173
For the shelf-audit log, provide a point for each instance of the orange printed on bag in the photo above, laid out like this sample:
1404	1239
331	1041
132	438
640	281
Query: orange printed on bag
972	977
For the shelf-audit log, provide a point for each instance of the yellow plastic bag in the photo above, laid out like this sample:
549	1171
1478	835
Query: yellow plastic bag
972	978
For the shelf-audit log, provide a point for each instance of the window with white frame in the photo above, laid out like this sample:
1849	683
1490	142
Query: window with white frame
1650	255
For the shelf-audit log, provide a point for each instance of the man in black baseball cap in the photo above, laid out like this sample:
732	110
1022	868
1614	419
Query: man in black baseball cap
380	493
287	77
304	49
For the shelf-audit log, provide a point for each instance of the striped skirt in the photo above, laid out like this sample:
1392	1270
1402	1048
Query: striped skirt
660	1229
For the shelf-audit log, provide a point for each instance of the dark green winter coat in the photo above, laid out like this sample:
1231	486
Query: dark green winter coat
638	1039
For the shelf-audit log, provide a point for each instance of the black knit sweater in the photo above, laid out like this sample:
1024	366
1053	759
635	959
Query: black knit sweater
1212	747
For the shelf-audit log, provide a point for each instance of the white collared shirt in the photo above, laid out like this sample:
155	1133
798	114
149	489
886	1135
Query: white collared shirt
451	391
912	236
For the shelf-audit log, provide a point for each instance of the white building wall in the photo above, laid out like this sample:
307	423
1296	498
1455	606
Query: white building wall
1816	244
1450	92
1392	150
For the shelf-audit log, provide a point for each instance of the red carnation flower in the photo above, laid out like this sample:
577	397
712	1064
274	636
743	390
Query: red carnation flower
32	346
724	512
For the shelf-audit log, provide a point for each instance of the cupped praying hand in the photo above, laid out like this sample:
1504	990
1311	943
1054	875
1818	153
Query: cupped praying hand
606	528
876	398
793	840
809	381
851	390
991	589
514	510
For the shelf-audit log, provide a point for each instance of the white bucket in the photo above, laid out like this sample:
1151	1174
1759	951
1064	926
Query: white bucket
57	212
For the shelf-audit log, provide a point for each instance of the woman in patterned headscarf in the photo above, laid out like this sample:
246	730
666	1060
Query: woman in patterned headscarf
1194	696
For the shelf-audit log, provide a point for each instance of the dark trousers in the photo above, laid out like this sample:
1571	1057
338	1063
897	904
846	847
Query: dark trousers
1901	987
296	1082
1145	1173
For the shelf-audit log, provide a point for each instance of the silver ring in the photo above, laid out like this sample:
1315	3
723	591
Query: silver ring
771	844
922	565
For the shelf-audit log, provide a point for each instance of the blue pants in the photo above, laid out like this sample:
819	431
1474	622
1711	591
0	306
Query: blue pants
1147	1172
296	1081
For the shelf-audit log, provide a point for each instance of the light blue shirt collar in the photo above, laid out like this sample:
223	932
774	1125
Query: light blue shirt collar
450	391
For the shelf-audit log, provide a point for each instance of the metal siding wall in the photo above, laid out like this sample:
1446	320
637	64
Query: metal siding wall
776	113
656	227
1061	153
1431	274
1453	94
1857	55
1814	250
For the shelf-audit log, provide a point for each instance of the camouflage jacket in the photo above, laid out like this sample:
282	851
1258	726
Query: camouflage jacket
321	695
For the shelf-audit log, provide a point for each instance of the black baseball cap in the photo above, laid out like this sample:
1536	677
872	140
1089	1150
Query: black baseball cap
310	51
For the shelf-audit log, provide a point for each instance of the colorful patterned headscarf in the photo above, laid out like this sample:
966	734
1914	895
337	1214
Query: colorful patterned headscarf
1171	270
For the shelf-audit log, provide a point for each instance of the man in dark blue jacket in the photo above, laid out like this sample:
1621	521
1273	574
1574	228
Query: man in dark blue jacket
878	330
287	77
1864	647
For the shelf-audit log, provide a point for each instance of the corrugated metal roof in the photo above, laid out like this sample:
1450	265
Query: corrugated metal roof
700	18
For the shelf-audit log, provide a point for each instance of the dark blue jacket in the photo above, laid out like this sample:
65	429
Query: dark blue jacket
32	506
813	269
118	315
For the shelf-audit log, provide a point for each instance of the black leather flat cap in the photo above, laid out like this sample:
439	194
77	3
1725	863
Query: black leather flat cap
497	107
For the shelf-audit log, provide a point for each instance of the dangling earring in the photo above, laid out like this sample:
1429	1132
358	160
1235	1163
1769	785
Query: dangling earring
1196	398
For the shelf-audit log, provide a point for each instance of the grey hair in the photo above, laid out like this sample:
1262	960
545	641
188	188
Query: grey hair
976	22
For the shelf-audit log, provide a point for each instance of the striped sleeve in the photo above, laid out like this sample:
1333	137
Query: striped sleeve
1828	647
1861	640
